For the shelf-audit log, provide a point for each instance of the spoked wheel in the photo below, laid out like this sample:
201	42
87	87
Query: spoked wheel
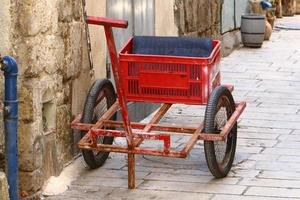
100	97
220	154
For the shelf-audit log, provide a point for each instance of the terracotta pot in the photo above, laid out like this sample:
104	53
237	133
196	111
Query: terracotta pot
271	21
268	31
288	7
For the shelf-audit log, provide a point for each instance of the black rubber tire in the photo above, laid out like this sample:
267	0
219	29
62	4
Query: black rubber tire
91	115
221	97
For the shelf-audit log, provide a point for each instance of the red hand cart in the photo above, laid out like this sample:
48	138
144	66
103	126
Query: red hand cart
161	79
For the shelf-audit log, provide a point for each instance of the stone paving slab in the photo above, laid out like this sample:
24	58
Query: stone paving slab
267	163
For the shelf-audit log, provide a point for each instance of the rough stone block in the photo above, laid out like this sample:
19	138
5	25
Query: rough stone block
77	10
3	187
73	52
198	16
65	12
37	17
45	54
288	7
5	27
30	147
297	6
52	164
31	182
37	111
26	108
63	133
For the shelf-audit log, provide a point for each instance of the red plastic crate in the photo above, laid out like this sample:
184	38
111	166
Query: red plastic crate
169	79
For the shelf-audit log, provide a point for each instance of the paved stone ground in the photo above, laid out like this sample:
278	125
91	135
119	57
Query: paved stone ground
267	164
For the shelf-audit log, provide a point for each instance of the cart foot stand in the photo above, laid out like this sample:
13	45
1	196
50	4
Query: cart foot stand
131	171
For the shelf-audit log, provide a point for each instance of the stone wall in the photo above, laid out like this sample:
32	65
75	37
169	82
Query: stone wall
48	40
198	17
5	47
164	18
203	18
3	187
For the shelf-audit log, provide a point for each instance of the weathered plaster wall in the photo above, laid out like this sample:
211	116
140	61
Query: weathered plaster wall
48	40
98	41
164	18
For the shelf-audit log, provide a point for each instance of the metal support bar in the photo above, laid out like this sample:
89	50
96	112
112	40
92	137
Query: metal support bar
137	150
137	134
107	115
135	125
166	152
228	126
122	100
233	119
192	141
156	118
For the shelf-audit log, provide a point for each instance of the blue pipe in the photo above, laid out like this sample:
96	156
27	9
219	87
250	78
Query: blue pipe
10	68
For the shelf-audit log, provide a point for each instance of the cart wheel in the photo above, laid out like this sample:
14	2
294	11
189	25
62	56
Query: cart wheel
220	154
100	97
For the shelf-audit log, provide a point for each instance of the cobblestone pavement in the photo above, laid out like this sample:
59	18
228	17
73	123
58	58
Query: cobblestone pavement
267	163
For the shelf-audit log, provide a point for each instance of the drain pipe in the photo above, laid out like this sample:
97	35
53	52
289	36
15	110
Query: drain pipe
10	68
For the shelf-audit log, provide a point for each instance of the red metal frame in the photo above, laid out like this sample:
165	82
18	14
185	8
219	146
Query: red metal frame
107	128
210	78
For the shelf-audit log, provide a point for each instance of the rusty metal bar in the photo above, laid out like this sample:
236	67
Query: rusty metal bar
81	126
122	100
233	119
109	22
158	115
131	170
154	127
156	118
192	141
168	128
116	71
136	125
84	142
76	120
137	150
107	115
76	124
210	137
228	126
137	134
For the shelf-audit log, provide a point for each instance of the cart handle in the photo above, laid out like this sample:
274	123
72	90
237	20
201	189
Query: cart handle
108	22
